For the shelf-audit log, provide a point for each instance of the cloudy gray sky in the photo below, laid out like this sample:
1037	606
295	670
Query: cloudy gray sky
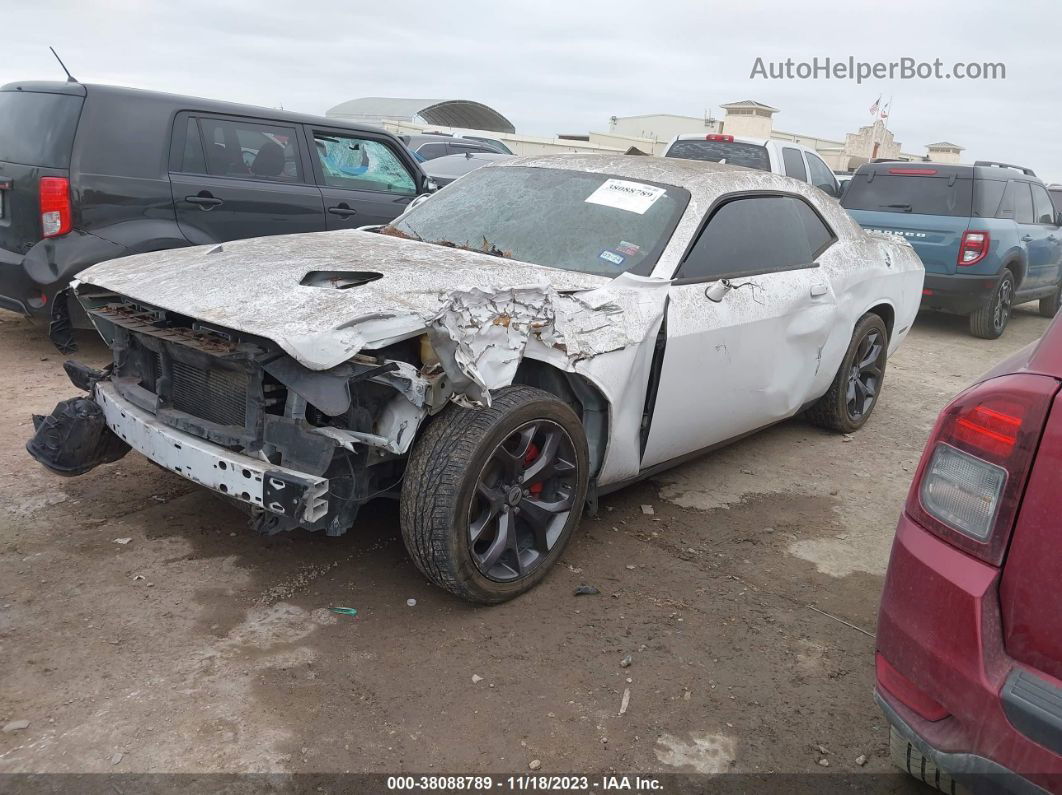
567	66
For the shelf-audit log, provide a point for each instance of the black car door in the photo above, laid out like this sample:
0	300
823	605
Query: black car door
235	178
363	178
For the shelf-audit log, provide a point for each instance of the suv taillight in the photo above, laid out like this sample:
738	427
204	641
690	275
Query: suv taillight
55	206
973	248
970	481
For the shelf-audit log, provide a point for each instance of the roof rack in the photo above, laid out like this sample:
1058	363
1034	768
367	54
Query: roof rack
1026	171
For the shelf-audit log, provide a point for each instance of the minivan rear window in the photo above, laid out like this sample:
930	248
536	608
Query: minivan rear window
38	129
920	195
733	152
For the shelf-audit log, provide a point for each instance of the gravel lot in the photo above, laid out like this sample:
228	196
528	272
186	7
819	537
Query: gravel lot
197	646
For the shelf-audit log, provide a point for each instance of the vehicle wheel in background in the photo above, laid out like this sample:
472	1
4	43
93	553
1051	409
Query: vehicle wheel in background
989	321
1049	305
491	495
909	759
855	389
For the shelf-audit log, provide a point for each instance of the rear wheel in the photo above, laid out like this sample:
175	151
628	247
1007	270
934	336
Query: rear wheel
989	321
909	759
855	389
1049	305
491	495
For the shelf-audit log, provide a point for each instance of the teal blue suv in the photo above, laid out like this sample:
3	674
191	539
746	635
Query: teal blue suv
988	234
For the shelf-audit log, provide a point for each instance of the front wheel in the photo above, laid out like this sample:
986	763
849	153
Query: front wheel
491	495
1049	305
855	389
991	318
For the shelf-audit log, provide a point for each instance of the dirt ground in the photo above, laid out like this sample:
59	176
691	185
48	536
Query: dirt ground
197	646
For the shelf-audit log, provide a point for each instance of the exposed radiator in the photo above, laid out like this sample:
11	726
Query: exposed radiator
216	395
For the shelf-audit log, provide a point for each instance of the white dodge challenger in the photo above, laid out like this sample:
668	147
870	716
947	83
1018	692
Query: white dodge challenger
540	332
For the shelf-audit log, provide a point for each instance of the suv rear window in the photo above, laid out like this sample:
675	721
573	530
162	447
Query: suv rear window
38	129
891	193
733	152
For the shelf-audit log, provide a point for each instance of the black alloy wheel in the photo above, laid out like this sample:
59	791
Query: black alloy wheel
524	495
864	377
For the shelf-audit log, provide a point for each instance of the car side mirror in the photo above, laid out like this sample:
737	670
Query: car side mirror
430	185
419	200
1058	218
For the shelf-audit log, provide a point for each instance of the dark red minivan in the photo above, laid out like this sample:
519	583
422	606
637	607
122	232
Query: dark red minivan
969	643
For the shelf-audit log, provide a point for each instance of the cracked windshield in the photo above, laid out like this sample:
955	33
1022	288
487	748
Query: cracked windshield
573	220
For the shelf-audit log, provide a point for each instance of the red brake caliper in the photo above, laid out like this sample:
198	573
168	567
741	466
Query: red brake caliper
531	455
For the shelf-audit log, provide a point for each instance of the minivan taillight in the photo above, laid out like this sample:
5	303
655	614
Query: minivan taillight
973	248
970	481
55	206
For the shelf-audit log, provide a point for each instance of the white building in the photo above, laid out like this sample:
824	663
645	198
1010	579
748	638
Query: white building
943	152
753	119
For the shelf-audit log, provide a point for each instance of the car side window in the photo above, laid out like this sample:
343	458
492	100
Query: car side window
348	161
821	176
432	151
1043	210
794	163
192	161
251	151
1017	203
757	234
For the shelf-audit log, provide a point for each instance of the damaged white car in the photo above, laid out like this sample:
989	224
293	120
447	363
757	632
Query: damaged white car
542	331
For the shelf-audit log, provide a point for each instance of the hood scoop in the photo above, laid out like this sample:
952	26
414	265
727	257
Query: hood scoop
339	280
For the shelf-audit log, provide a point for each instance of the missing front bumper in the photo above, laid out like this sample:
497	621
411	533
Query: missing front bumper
84	432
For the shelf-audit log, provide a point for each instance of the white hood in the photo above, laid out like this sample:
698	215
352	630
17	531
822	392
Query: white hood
254	286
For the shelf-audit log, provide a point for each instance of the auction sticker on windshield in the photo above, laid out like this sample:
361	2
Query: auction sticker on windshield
634	197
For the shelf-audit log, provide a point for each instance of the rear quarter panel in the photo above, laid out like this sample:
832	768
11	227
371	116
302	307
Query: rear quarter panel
1005	248
868	271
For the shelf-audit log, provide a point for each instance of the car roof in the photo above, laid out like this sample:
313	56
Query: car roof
459	164
184	102
950	169
416	139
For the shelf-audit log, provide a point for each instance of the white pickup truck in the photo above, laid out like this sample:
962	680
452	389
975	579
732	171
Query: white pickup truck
766	154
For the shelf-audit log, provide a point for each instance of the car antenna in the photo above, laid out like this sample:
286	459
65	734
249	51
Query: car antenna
69	77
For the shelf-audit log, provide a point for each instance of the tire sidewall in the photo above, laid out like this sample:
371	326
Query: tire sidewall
484	588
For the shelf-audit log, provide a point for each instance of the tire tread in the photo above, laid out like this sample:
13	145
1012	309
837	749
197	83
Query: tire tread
435	474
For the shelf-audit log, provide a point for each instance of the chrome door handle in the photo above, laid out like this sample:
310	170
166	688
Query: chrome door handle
818	290
1026	238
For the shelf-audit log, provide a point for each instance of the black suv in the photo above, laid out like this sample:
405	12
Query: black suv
90	173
